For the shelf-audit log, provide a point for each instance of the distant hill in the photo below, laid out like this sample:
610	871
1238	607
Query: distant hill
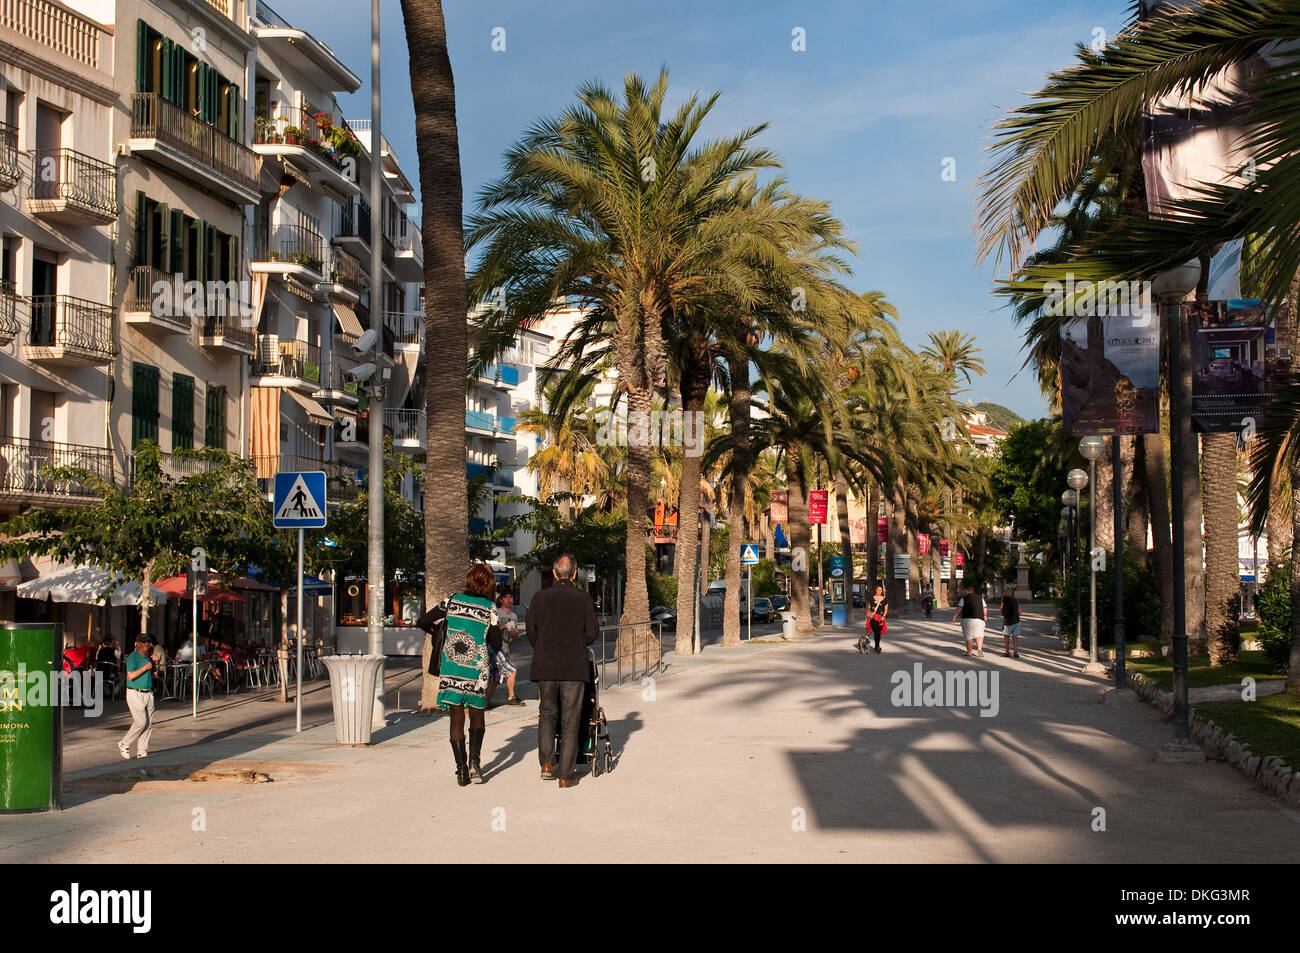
999	416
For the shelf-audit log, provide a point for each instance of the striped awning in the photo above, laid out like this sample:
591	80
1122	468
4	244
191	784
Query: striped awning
347	318
315	412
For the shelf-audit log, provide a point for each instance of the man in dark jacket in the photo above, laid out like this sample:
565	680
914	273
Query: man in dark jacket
561	624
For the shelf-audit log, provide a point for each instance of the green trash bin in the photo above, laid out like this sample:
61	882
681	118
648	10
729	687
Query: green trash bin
31	736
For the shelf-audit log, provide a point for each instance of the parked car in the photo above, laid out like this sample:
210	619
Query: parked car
762	611
779	603
666	615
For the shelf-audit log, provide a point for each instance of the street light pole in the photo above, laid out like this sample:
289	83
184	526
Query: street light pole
1077	480
375	479
1091	448
1117	501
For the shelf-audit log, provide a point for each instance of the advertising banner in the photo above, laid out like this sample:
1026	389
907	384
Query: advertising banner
1110	374
1236	363
31	723
858	532
779	507
923	545
943	548
882	529
817	507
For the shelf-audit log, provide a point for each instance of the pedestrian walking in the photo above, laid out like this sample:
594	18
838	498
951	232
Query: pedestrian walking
471	632
1010	623
139	699
927	598
503	670
561	624
973	613
876	623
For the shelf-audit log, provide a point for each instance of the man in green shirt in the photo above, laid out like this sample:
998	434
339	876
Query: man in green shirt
139	699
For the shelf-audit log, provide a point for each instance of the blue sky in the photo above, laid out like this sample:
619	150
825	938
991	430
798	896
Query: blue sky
885	91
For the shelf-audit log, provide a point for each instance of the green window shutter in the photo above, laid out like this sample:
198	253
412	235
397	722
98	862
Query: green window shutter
144	403
201	90
141	230
214	95
214	417
200	250
235	131
165	238
182	412
211	264
141	57
167	81
177	263
236	266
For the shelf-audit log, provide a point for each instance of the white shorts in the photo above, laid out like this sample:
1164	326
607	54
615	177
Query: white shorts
972	629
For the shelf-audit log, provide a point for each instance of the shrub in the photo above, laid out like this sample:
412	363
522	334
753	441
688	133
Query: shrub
1141	602
1274	604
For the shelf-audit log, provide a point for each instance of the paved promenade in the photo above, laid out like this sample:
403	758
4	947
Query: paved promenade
765	752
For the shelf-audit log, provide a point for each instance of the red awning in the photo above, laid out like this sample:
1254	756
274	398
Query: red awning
217	590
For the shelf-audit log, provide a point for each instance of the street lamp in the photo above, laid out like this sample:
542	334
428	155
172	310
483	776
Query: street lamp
1171	287
1077	480
1092	447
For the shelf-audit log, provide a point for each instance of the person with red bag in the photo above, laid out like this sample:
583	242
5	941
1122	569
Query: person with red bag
876	623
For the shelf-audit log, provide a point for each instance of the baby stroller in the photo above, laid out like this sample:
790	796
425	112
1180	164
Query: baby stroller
595	746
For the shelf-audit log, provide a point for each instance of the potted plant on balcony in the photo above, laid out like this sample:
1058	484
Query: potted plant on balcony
292	135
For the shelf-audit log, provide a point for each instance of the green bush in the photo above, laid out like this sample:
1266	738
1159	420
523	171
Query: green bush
1274	604
663	590
1141	602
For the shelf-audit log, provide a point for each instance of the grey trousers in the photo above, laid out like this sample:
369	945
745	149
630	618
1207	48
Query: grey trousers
141	706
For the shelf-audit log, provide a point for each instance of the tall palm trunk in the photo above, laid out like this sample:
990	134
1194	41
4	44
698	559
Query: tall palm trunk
738	410
1222	576
800	543
873	536
634	640
1293	672
706	543
846	541
437	146
1133	453
1157	494
694	385
1102	493
897	545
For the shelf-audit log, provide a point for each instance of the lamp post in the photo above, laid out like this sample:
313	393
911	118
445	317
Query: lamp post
1170	288
1091	448
1077	480
1117	501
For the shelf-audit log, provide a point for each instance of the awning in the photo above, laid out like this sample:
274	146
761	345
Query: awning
315	412
217	591
85	585
311	585
348	319
13	572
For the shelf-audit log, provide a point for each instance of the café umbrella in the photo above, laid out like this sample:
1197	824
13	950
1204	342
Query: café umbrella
87	585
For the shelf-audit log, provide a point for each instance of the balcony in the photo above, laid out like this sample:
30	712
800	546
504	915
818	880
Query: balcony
352	432
72	189
26	465
352	230
172	466
500	376
409	427
293	364
342	482
407	328
325	149
333	386
55	26
10	171
310	56
8	313
290	250
478	421
502	480
157	300
408	248
173	138
226	327
344	270
69	331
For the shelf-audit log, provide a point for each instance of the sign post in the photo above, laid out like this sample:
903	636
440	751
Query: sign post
748	557
299	503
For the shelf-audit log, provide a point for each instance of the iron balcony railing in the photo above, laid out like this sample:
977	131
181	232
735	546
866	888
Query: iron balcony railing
227	322
354	220
294	244
75	178
407	327
153	117
65	321
345	269
313	129
173	466
8	312
10	171
26	466
405	424
296	359
334	363
155	291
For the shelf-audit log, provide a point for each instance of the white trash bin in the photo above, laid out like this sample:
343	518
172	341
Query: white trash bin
787	624
352	688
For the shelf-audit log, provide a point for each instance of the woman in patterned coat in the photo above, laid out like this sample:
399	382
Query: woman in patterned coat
472	633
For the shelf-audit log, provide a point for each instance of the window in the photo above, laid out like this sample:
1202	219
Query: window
214	425
144	403
182	412
170	70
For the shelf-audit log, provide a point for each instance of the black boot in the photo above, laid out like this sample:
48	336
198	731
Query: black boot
462	768
475	750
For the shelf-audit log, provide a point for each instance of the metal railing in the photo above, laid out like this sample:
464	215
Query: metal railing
10	170
296	359
65	321
405	424
221	6
294	244
8	311
335	362
354	220
26	466
632	661
55	26
346	269
313	129
173	466
228	323
75	178
407	327
153	117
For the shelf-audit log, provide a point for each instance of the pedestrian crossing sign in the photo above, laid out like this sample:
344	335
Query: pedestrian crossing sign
299	500
748	554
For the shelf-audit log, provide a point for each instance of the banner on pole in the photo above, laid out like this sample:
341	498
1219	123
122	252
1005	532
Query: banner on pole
1237	364
882	529
817	507
779	507
1110	373
923	545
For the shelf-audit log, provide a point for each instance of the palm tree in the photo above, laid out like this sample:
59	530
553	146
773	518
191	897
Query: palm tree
433	90
569	461
614	206
955	354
